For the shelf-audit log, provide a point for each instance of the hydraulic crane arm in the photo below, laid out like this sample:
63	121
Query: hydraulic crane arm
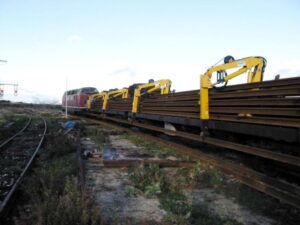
253	65
162	85
113	94
95	96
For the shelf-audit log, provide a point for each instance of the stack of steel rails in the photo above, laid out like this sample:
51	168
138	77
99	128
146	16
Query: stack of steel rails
120	105
267	109
273	102
182	104
270	103
97	104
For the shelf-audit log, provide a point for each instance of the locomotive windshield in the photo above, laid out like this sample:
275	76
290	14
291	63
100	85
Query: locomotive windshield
89	90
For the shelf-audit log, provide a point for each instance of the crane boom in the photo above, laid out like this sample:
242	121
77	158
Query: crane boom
95	96
253	65
113	94
162	85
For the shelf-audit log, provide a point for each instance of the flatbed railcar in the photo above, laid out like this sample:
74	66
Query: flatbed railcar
273	114
262	109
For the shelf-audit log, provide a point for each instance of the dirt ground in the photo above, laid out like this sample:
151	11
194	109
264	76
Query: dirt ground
110	185
110	188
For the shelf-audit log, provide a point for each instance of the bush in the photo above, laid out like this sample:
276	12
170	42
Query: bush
52	190
149	179
176	203
72	207
153	182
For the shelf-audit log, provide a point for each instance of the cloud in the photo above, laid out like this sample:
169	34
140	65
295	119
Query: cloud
286	69
74	38
123	71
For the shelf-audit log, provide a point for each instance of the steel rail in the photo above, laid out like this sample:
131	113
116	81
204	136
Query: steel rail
283	122
292	112
295	112
15	135
263	153
232	102
264	84
7	198
281	190
289	91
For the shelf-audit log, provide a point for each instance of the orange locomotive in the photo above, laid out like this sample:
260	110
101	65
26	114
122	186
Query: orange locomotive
77	99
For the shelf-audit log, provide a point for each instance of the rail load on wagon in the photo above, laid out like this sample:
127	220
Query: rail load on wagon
265	109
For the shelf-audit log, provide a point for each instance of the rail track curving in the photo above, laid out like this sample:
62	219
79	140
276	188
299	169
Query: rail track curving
16	156
5	142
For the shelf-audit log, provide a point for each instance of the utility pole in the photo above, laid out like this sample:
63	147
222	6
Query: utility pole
66	97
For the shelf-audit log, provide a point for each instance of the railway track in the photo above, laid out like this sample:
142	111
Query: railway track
16	156
5	142
250	150
284	191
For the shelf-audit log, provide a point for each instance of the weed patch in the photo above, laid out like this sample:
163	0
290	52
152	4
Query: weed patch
152	147
148	179
152	182
98	135
71	207
133	191
176	203
18	122
51	190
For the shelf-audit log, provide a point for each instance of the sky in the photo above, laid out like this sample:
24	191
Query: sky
113	44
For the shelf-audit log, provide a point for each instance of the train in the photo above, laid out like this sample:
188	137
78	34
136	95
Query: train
264	109
76	100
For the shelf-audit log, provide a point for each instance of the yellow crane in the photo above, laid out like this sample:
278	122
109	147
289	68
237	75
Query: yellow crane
113	94
162	85
255	67
95	96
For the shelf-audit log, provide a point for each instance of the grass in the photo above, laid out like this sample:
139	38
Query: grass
176	203
152	182
70	207
148	179
133	191
169	189
98	135
19	122
51	189
150	146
